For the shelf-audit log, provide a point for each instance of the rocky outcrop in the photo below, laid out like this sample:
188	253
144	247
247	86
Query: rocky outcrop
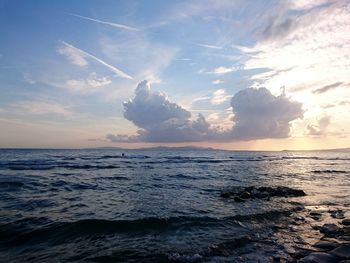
265	192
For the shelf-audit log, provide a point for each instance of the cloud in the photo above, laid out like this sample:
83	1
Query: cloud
327	88
344	102
183	59
308	4
279	29
312	49
223	70
28	79
209	46
160	120
77	57
42	107
147	58
204	98
115	25
320	127
217	81
182	10
74	55
219	96
91	84
258	114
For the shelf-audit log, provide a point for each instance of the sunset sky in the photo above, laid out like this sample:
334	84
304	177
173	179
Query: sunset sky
231	74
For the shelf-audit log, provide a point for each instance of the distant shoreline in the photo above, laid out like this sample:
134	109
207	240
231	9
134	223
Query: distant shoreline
184	148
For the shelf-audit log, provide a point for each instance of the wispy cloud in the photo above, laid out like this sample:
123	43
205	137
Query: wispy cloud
74	55
88	85
313	52
308	4
78	53
119	26
217	81
146	57
41	107
327	88
219	96
183	59
223	70
209	46
200	99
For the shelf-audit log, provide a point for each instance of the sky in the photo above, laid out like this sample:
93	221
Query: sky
230	74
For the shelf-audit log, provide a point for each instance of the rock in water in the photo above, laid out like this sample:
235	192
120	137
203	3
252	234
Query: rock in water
339	214
262	192
346	222
238	199
315	215
319	257
327	245
330	230
342	252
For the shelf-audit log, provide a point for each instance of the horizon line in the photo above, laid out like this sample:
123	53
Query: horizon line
169	147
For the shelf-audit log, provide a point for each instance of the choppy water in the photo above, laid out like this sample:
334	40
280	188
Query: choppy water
154	206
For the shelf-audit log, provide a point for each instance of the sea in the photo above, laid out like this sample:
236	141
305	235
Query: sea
160	205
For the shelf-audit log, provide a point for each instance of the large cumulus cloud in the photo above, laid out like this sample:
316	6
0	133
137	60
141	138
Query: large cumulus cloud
257	114
160	120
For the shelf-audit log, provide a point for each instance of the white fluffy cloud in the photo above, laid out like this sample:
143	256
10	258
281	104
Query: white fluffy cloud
160	120
257	114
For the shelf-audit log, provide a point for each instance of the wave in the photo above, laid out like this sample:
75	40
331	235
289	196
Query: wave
17	183
184	176
19	232
114	157
301	158
330	171
11	185
72	186
66	166
314	158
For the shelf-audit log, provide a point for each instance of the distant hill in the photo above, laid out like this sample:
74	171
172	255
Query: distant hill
197	148
182	148
161	148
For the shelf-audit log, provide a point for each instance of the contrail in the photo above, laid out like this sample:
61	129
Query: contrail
107	23
119	72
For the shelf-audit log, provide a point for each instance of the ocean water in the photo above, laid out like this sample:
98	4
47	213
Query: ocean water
158	205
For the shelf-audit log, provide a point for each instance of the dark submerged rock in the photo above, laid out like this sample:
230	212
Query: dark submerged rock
263	192
315	215
346	222
326	245
319	257
338	214
330	230
238	199
342	251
